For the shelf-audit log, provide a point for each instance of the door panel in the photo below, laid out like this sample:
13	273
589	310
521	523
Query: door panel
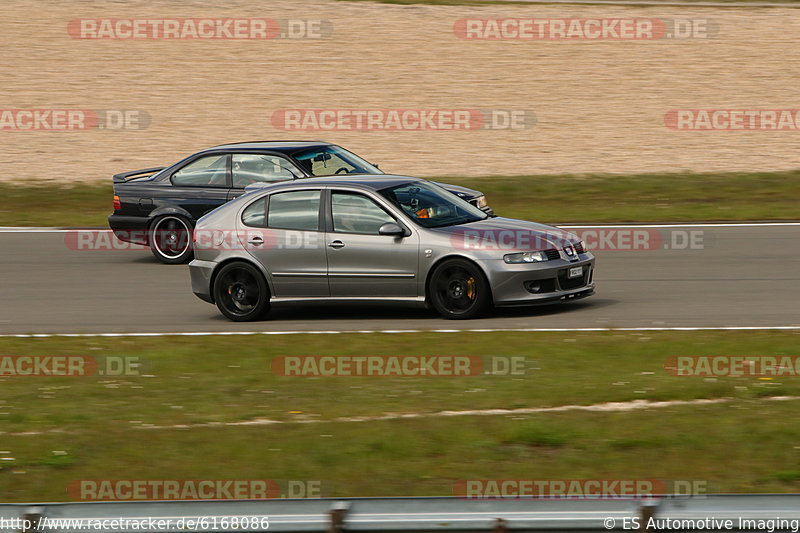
373	265
361	262
281	233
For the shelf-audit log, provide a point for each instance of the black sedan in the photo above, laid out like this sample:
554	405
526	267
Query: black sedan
160	206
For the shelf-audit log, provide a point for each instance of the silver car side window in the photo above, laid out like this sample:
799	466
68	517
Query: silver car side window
356	213
255	214
295	210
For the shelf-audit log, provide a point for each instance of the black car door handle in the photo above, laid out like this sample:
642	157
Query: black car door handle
336	245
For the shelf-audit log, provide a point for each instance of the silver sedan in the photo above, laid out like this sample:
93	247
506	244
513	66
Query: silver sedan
390	238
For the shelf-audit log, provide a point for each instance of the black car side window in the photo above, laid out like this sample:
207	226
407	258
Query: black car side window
295	210
260	168
208	171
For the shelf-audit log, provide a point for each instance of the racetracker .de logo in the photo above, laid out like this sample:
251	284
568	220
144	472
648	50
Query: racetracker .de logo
173	489
735	366
198	28
72	366
529	489
402	119
572	29
733	119
591	239
73	119
378	366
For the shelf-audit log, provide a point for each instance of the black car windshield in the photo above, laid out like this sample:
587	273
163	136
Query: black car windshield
329	160
431	206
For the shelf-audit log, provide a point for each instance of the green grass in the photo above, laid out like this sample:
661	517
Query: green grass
48	204
554	199
643	197
102	422
429	456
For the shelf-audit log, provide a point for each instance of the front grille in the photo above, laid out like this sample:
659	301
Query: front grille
474	202
552	254
579	248
566	283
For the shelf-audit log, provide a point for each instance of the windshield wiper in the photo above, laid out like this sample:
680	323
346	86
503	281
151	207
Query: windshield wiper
466	221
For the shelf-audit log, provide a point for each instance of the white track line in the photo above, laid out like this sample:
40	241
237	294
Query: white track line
395	331
20	229
633	405
617	407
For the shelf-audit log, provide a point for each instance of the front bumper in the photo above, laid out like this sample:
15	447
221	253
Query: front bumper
539	283
201	272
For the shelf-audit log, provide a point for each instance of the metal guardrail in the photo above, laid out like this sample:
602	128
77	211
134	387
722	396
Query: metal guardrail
424	514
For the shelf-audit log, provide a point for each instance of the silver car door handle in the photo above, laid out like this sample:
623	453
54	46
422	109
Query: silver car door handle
256	241
336	244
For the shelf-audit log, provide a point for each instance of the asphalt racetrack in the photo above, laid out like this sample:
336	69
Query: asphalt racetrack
733	276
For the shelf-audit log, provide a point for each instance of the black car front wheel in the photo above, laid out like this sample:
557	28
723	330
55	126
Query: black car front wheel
459	290
241	292
171	239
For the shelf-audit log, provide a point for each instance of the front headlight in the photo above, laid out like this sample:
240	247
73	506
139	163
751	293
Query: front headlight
525	257
481	201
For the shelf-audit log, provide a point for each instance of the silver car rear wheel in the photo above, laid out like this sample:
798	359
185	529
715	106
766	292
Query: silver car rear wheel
241	292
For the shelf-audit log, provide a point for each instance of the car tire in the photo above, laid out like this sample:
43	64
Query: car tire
170	238
458	290
241	292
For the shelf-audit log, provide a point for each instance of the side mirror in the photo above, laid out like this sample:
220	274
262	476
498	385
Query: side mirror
393	229
375	165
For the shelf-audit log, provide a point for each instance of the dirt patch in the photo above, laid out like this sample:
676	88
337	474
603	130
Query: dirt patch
600	105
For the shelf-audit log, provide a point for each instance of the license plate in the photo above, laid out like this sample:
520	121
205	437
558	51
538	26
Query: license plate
575	272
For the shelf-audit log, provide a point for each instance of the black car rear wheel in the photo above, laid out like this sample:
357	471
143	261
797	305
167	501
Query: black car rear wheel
459	290
241	292
171	239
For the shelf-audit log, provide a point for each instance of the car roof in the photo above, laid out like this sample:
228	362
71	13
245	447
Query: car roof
278	146
373	182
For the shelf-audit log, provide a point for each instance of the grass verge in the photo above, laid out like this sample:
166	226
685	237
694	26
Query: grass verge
58	429
553	199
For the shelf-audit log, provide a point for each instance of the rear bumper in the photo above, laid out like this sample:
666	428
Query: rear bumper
201	272
129	229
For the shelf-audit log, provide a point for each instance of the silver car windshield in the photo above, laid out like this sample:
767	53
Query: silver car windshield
431	206
330	160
